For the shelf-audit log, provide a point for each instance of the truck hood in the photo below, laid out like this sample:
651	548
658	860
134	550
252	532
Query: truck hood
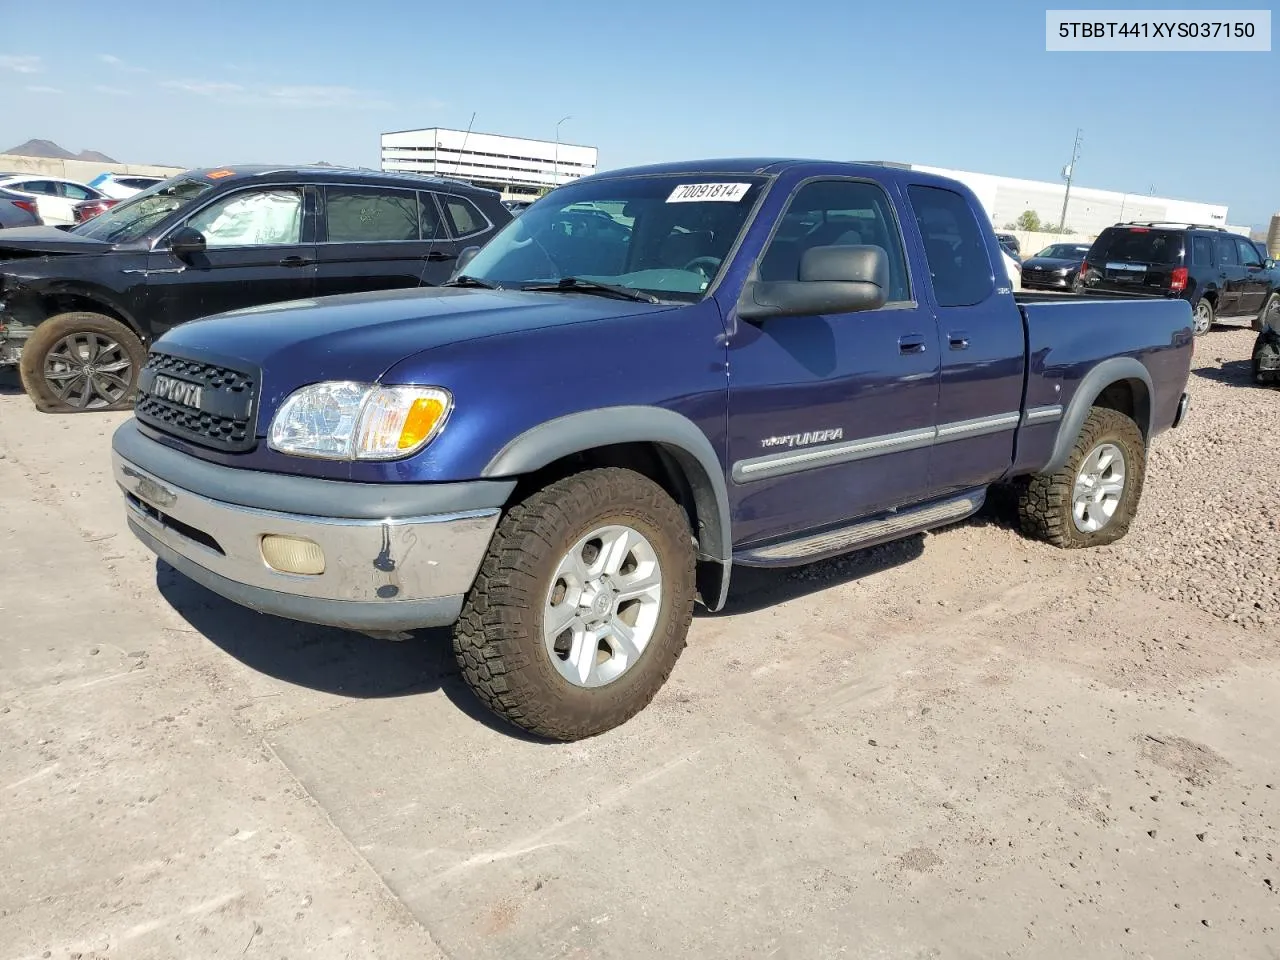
18	242
360	336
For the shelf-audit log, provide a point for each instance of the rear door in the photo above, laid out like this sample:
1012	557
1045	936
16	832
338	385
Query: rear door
260	249
983	351
1231	275
1136	259
380	238
1254	284
831	417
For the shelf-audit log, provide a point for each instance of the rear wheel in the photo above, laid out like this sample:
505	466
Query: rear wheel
1269	315
81	361
1202	316
1094	497
581	606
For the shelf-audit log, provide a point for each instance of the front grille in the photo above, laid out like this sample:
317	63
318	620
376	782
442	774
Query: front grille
206	403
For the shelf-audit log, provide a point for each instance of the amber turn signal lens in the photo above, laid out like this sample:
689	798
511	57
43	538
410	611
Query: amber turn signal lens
421	420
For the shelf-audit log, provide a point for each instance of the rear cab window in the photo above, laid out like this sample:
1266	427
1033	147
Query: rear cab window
954	245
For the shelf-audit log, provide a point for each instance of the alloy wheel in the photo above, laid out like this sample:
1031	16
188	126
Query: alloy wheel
603	605
88	370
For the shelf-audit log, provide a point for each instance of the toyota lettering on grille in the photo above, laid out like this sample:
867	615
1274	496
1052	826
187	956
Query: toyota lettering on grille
177	391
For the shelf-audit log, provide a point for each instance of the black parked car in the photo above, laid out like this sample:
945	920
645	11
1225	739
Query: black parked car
1055	267
1010	243
79	306
1221	274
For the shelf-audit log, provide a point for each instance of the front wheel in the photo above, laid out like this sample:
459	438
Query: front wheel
81	361
581	606
1202	316
1092	500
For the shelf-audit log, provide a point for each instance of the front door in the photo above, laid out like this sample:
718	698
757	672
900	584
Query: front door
831	417
982	343
259	249
380	238
1255	284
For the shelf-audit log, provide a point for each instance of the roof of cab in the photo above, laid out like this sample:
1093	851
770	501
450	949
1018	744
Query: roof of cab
760	166
323	173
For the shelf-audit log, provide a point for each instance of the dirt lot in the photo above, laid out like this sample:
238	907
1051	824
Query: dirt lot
965	745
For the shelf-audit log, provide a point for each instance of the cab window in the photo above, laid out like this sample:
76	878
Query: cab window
836	212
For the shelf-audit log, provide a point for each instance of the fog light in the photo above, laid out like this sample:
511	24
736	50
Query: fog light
292	554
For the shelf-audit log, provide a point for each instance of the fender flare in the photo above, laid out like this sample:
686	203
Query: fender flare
676	434
1109	371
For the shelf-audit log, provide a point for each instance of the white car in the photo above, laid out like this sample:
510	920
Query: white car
122	186
1013	268
55	198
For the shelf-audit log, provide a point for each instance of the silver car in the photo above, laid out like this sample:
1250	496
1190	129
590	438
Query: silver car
18	210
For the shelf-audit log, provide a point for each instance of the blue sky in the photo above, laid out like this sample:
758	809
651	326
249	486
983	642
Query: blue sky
966	87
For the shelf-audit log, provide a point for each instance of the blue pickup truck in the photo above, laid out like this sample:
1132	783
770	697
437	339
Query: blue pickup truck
652	376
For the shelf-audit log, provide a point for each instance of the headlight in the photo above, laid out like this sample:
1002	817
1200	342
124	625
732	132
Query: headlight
341	420
1063	272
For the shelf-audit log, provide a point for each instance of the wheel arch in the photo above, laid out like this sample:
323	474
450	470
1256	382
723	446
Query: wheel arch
1122	384
661	443
76	299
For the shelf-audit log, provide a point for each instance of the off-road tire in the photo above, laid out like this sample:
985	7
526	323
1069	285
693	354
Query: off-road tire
49	333
1045	500
1207	304
498	639
1271	303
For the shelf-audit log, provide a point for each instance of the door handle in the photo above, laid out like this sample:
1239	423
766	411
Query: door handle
959	340
296	261
911	343
438	256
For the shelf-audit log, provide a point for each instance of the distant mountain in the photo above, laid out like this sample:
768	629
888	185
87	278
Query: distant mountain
51	151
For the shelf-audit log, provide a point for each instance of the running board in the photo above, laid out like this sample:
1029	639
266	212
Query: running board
864	533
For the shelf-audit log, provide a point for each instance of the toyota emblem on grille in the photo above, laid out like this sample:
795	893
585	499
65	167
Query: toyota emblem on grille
177	391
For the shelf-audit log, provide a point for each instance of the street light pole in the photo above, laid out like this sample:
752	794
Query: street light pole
555	174
1070	172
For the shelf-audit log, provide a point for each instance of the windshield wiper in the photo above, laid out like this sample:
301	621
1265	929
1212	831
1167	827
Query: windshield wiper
469	281
580	285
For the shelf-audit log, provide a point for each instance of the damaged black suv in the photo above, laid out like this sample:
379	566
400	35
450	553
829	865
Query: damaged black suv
79	307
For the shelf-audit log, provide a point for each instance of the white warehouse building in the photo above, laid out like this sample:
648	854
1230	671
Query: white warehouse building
1089	210
521	169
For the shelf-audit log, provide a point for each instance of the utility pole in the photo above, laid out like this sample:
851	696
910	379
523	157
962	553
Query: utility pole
1068	172
555	168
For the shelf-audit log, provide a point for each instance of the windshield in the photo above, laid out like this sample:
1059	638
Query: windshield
1064	251
664	235
132	219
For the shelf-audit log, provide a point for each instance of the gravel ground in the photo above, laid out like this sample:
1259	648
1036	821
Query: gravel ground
1208	532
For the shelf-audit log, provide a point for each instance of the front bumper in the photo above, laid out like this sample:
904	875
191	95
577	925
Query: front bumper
385	574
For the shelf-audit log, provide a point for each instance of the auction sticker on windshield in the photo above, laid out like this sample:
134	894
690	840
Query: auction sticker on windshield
702	192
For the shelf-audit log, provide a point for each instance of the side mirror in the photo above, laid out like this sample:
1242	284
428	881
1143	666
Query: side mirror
466	256
1269	264
833	279
186	242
